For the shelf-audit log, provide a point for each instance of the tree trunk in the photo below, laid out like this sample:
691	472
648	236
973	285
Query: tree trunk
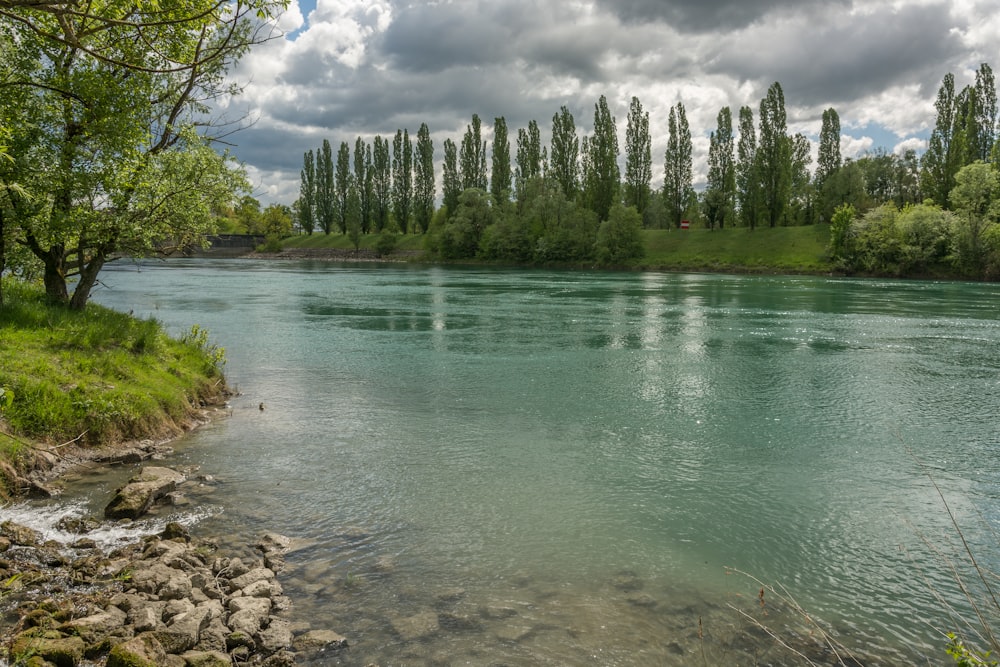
88	278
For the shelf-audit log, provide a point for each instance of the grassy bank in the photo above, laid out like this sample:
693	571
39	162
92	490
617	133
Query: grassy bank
98	376
767	250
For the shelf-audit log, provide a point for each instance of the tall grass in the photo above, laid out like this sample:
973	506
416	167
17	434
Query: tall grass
99	374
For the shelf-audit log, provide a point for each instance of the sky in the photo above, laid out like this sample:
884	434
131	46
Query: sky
340	69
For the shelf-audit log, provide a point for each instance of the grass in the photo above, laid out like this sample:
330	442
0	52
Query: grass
97	375
764	250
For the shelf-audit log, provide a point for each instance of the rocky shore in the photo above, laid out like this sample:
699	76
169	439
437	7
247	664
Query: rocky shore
167	599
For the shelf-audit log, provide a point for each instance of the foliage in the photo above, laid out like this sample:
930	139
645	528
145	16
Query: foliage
500	183
638	158
976	199
600	175
385	243
197	337
677	167
966	657
841	246
619	238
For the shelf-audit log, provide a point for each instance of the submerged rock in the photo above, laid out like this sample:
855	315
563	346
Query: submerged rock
135	498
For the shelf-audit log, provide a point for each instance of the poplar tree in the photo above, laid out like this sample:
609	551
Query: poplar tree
500	180
602	177
326	203
940	162
829	147
565	153
638	157
423	182
451	181
381	183
720	193
802	198
363	182
341	183
529	158
747	178
473	157
774	155
677	167
985	112
307	194
402	179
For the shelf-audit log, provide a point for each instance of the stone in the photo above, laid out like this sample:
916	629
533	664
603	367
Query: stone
316	640
135	498
143	618
175	532
91	628
255	575
260	607
177	587
244	622
141	651
20	535
262	589
206	659
276	637
417	626
52	647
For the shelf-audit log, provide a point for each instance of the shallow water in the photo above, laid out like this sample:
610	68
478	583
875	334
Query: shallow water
536	467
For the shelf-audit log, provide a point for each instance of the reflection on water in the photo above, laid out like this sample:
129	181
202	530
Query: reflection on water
543	467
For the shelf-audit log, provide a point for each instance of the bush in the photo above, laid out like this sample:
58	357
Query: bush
385	243
619	238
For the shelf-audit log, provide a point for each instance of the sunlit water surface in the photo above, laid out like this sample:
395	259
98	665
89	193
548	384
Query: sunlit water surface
534	467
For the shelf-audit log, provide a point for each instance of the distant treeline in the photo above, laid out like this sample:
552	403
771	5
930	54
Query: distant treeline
569	201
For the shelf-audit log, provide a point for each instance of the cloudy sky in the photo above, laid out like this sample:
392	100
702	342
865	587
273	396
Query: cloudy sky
349	68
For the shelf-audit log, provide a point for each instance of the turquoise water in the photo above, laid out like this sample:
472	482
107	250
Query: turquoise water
561	467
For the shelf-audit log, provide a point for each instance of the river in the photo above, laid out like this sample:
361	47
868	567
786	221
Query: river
492	466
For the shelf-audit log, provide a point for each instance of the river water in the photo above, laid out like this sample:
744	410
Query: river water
535	467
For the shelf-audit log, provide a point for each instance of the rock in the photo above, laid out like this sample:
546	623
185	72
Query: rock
51	646
91	628
244	622
141	651
143	618
175	531
260	607
20	535
206	659
255	575
177	587
276	637
417	626
514	633
135	498
280	659
262	589
316	640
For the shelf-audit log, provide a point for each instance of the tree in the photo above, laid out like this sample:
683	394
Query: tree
677	167
276	220
501	180
601	175
342	184
774	155
619	238
565	152
802	193
940	161
720	193
248	214
381	183
638	158
976	200
363	181
352	214
307	194
451	181
829	147
529	159
423	182
747	170
472	161
111	140
326	198
985	113
402	179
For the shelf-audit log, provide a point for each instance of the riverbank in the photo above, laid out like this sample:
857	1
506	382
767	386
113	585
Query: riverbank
101	388
76	384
